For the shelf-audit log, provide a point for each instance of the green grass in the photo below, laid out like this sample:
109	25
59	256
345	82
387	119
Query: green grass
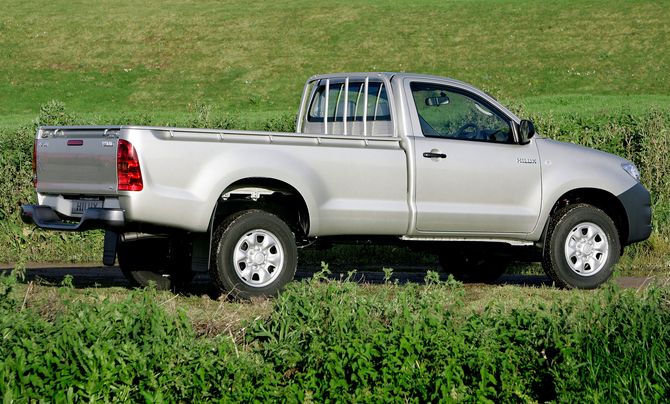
154	56
562	106
335	341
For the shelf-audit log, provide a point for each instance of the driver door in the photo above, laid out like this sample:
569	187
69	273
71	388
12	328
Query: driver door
471	175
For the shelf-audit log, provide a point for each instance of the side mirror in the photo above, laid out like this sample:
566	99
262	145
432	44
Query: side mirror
526	131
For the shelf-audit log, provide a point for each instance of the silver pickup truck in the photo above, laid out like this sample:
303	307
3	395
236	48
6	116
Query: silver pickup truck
424	162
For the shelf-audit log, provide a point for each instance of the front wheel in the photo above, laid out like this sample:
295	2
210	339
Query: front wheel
254	255
582	247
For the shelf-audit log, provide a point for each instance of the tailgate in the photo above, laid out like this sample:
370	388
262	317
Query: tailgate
77	160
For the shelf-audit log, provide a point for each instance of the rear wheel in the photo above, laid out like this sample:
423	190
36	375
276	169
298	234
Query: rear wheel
473	267
582	247
254	255
148	261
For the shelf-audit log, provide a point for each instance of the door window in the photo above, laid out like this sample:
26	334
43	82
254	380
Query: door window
450	113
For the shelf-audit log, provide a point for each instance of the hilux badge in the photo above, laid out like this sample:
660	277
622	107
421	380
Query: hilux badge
526	161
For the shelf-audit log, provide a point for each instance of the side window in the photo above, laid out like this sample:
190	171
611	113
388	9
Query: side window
449	113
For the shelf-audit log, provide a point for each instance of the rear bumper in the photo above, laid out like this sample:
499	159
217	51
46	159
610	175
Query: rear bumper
45	217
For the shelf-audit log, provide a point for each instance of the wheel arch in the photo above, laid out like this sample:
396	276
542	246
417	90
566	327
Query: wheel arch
602	200
268	194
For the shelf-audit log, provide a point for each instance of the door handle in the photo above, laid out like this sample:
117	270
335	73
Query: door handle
431	155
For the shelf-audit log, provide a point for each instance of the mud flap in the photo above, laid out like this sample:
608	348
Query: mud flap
200	253
111	241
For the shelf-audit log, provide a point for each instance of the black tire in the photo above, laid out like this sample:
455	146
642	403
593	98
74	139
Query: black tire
582	247
473	267
254	254
154	261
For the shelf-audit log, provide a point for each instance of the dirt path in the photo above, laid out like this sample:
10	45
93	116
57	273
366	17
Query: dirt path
86	275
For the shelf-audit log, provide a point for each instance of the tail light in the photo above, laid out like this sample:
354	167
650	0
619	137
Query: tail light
128	168
35	165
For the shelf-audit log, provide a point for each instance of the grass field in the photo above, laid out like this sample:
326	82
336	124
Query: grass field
162	56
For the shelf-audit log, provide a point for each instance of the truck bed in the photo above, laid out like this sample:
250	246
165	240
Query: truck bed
185	172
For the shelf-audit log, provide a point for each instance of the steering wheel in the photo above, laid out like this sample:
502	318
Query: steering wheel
468	135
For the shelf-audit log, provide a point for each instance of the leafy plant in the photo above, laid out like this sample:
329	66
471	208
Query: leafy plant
336	340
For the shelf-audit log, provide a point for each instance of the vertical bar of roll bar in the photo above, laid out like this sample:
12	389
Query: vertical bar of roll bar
346	106
358	102
379	93
325	112
365	104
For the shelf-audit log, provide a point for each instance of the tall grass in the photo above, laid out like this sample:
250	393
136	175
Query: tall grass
337	341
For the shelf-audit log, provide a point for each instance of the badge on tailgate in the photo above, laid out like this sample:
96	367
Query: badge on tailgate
79	206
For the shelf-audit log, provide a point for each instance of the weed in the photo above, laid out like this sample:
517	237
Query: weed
338	341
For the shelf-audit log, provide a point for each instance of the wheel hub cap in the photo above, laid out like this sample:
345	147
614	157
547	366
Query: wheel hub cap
586	249
258	258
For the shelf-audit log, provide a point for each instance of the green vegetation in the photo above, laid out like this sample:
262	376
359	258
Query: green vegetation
335	341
